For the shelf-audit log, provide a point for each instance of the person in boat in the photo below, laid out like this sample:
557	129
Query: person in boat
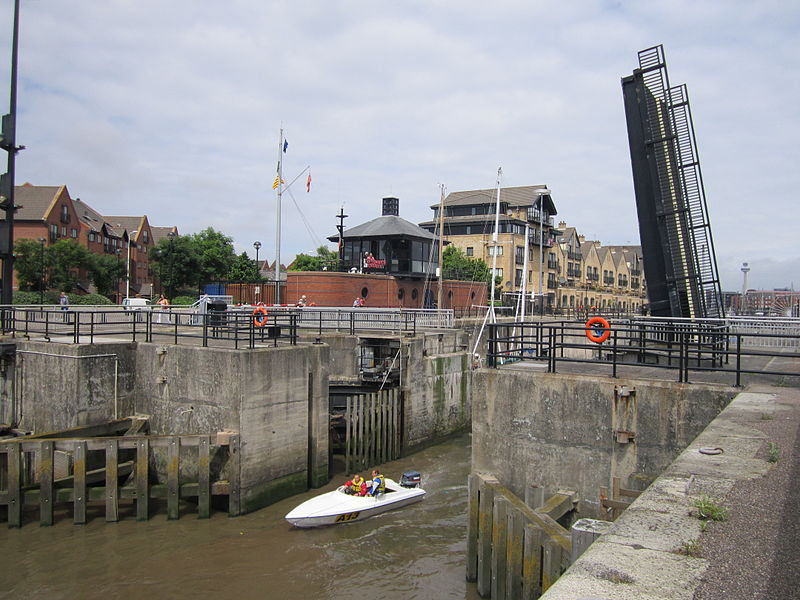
378	484
357	486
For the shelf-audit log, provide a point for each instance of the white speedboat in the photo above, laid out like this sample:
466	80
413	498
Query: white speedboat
337	507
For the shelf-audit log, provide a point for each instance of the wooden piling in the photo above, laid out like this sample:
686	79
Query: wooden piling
112	481
348	433
499	542
485	536
234	466
14	473
203	478
46	483
142	479
473	499
514	551
79	483
532	561
551	563
173	477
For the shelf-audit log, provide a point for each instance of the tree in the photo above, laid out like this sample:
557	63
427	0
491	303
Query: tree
30	263
106	271
244	269
215	255
324	258
457	265
176	262
65	258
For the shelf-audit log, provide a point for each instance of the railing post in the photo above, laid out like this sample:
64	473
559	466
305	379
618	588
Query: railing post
738	360
491	358
614	353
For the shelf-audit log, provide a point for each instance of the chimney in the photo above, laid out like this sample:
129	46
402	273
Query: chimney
391	206
562	224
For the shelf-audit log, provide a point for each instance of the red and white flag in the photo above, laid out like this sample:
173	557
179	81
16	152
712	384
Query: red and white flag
308	183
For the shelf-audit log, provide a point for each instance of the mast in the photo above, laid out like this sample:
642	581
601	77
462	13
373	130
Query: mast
441	246
490	314
278	223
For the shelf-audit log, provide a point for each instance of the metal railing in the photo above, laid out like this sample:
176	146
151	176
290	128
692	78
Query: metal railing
237	326
729	346
89	324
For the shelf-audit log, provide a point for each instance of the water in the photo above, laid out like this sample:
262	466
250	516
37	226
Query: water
414	552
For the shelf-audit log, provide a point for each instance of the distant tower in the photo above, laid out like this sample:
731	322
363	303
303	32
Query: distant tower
745	271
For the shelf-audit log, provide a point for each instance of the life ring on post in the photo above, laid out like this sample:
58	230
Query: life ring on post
259	316
596	334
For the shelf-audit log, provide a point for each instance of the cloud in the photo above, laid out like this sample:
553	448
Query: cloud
173	110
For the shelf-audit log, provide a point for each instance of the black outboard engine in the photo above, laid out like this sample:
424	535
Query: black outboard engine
410	479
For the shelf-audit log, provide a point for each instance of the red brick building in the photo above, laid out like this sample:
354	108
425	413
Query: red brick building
327	288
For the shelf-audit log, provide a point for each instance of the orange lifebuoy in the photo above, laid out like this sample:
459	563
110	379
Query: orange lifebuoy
259	316
594	333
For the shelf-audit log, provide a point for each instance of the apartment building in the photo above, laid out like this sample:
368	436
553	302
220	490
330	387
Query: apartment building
49	213
468	222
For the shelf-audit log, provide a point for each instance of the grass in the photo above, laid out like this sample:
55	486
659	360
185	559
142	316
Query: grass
710	509
773	452
691	548
766	417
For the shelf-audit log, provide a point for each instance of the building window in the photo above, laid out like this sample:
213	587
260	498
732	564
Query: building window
495	251
91	236
414	294
364	291
518	278
519	255
401	293
470	251
64	213
145	236
73	233
498	272
64	231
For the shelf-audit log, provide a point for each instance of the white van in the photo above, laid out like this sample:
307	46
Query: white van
142	304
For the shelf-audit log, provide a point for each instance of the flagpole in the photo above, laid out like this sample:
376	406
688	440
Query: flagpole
278	223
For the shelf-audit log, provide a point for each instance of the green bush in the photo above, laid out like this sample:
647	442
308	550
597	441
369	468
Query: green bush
91	299
184	300
51	297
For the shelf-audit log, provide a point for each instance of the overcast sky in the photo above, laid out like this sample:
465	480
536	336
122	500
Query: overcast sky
173	109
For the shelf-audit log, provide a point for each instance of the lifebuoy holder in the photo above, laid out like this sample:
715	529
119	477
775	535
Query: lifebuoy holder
597	330
259	316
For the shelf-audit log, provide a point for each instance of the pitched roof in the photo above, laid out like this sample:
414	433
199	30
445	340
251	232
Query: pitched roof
387	225
526	195
159	233
34	201
128	224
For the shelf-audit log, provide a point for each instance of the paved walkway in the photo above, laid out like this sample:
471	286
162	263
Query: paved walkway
659	549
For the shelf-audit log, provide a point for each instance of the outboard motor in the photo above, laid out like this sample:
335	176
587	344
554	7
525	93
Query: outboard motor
410	479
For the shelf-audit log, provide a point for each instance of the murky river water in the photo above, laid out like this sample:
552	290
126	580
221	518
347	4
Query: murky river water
412	552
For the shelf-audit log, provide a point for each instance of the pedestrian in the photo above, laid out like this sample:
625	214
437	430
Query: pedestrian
302	301
63	300
164	304
357	302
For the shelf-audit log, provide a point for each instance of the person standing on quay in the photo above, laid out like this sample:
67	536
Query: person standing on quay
63	300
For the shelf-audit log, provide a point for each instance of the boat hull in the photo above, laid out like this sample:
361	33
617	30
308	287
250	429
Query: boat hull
334	508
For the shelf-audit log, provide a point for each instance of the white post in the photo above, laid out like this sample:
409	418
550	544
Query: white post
541	253
524	288
128	283
278	223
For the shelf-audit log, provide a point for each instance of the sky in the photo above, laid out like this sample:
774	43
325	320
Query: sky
173	109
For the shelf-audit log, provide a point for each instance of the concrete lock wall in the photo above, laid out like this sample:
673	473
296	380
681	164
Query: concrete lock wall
562	429
437	387
276	398
59	386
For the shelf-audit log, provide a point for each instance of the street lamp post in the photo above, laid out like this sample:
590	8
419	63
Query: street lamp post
117	251
171	236
128	268
41	278
257	246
